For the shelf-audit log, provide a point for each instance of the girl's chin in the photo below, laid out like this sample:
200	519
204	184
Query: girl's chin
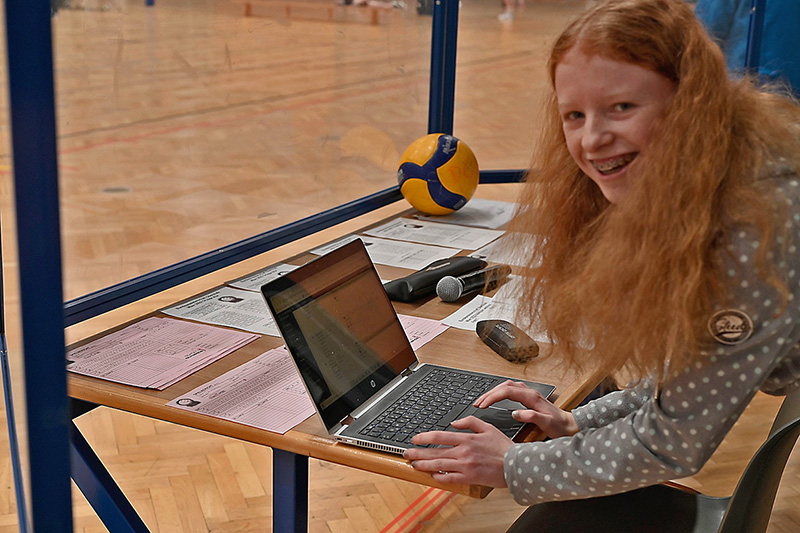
613	196
613	190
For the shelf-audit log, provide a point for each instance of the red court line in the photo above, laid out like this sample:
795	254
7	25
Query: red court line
410	521
406	511
239	118
433	513
318	101
474	69
367	91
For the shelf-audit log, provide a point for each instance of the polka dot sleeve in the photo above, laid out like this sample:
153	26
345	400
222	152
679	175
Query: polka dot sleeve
671	434
612	406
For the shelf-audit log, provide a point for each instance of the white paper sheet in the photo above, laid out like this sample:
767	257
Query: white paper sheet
478	213
486	308
496	252
230	307
155	352
479	308
267	392
254	281
422	231
394	253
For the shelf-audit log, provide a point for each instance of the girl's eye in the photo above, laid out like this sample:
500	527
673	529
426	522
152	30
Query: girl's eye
624	106
573	115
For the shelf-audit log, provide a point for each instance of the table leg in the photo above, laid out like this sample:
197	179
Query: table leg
107	500
289	492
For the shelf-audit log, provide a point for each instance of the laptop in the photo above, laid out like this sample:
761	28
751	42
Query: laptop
357	364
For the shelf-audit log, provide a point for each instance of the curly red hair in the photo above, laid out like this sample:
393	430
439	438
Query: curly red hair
638	279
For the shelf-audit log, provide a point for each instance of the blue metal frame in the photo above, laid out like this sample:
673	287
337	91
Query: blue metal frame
752	58
443	64
503	176
99	488
11	419
44	315
99	302
289	492
444	40
13	444
109	298
33	132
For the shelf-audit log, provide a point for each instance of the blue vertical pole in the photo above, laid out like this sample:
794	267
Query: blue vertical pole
33	135
13	443
289	492
755	32
444	41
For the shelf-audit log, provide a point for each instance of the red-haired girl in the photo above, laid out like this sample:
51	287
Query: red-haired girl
666	205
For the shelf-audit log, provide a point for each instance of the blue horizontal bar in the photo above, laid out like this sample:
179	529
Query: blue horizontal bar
503	176
104	300
114	296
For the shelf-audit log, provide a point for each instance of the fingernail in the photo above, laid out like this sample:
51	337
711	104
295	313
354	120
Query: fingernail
514	414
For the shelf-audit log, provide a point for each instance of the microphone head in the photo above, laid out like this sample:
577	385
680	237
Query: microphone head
449	289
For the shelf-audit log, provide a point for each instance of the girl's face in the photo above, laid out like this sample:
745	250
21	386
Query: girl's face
608	109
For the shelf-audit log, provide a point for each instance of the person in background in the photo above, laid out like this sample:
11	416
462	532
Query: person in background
665	203
728	21
509	8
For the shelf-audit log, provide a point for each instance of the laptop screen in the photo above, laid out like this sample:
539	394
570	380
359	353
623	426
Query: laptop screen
341	329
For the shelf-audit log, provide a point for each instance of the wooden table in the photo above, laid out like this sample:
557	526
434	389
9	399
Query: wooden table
454	347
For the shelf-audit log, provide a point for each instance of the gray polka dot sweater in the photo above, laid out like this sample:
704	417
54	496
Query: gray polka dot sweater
633	438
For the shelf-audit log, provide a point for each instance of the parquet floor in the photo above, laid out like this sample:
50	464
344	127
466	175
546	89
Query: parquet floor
187	126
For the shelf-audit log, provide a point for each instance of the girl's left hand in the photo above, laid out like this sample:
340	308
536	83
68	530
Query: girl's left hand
474	457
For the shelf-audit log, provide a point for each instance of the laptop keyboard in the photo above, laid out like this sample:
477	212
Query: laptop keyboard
430	405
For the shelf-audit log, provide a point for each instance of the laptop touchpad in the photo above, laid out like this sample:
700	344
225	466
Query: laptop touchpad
499	418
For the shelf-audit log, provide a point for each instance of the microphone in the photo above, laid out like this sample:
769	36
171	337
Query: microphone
450	289
423	282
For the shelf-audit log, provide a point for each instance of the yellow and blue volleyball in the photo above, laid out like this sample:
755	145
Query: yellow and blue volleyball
438	174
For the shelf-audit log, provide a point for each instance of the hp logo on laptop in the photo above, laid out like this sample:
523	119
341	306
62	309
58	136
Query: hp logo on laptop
372	382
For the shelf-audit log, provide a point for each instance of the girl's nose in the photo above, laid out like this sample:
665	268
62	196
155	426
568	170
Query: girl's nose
596	134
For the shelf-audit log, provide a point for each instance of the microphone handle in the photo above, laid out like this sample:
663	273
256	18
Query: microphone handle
487	279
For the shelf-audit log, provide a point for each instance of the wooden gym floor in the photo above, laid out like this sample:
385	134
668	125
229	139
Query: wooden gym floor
187	126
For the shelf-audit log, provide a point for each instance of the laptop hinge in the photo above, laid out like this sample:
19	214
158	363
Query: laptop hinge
409	369
346	421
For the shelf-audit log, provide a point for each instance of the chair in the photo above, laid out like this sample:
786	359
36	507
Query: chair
663	508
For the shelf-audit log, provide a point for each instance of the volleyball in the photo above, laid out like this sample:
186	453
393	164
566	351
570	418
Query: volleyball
438	174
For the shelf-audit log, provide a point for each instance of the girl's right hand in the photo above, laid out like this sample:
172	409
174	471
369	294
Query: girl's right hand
553	421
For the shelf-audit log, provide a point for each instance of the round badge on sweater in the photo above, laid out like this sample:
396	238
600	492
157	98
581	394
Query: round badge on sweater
730	326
